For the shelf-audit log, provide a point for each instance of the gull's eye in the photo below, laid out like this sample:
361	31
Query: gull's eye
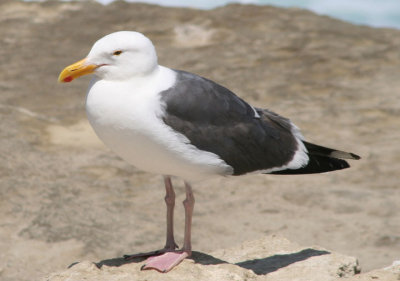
117	53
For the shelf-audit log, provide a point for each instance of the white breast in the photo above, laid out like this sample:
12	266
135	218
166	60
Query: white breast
127	117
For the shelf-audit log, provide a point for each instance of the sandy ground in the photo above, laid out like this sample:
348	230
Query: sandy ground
64	197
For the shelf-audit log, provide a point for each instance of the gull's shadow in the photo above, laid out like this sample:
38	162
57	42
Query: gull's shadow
198	257
113	262
270	264
265	265
260	266
118	261
206	259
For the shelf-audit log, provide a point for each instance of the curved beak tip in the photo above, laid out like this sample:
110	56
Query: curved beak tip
76	70
68	79
65	79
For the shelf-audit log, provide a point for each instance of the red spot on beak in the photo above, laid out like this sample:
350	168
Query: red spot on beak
68	79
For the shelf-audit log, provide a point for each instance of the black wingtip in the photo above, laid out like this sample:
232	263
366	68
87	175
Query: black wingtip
317	164
355	156
322	159
314	149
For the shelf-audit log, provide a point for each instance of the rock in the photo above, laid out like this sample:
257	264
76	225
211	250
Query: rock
65	197
390	273
271	258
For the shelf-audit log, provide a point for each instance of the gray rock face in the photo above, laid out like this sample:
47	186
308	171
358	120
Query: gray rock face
65	197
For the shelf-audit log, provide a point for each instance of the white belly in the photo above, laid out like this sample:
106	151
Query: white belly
127	119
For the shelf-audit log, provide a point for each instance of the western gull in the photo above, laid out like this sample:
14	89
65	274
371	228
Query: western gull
176	123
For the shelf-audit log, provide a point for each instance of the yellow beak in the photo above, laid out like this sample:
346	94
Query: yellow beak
76	70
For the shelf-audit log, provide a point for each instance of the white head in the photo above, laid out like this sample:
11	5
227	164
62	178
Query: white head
117	56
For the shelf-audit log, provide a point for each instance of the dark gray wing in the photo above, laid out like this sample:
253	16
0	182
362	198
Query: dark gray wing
214	119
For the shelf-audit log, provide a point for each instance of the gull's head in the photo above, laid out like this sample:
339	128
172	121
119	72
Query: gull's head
118	56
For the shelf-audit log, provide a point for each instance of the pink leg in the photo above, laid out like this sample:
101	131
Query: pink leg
170	201
170	244
169	260
188	203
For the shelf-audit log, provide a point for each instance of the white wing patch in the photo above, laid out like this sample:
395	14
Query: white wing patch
256	115
300	158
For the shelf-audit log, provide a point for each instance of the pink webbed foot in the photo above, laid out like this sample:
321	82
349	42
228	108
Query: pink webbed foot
165	262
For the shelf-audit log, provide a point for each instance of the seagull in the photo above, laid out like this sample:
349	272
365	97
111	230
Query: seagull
178	124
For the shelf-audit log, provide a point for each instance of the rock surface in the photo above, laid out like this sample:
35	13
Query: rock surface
271	258
65	197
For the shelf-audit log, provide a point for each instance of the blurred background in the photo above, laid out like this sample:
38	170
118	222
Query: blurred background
65	197
383	13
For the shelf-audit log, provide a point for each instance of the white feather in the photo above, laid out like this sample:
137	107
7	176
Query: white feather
128	120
